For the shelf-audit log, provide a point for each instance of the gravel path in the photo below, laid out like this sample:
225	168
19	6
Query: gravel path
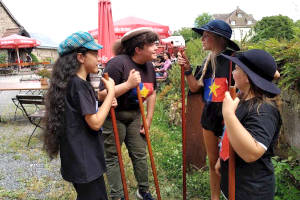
26	172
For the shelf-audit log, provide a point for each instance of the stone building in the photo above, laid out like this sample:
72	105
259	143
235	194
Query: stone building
240	22
8	26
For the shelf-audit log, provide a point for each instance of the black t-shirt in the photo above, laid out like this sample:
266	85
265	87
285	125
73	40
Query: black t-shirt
213	92
118	69
81	148
255	180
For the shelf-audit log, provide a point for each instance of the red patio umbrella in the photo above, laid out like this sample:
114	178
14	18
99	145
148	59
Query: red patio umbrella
129	23
124	25
16	42
106	34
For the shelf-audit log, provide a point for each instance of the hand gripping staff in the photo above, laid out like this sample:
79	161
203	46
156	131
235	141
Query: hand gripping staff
148	142
183	122
118	146
231	168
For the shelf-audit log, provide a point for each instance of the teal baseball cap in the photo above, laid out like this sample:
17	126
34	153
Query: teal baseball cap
77	40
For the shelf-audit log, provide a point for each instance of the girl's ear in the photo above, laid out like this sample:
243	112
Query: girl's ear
137	50
80	58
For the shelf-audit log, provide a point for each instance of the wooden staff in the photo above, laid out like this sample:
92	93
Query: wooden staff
118	146
231	168
183	124
148	142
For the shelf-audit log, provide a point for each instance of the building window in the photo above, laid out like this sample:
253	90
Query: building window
232	22
240	15
249	22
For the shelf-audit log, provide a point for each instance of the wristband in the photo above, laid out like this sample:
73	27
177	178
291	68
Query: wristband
189	72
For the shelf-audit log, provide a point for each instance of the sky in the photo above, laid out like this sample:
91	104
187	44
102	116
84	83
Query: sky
57	19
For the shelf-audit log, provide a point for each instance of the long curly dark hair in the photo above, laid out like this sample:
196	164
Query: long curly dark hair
63	70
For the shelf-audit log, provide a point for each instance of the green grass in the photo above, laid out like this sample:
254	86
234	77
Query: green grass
166	144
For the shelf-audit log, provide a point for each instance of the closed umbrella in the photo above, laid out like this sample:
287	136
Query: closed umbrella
106	34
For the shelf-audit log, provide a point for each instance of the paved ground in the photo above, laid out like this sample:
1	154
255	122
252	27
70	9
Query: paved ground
25	172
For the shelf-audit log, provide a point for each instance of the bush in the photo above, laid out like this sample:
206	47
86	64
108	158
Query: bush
2	58
195	53
34	57
287	56
44	73
171	92
287	174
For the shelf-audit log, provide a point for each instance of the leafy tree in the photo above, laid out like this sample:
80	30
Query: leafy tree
187	33
297	29
202	19
278	27
297	23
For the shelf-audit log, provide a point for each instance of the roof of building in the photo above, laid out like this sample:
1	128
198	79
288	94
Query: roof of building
21	30
238	16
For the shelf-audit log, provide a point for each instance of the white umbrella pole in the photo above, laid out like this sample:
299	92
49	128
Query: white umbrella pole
18	59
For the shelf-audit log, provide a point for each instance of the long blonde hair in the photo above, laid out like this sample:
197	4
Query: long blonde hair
212	58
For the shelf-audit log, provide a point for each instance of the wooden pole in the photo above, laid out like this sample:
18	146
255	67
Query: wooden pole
19	66
183	125
118	146
148	142
231	168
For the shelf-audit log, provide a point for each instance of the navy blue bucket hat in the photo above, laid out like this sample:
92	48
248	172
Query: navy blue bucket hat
260	67
220	28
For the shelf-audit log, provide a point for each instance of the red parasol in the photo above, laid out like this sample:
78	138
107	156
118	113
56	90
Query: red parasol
129	23
16	42
106	34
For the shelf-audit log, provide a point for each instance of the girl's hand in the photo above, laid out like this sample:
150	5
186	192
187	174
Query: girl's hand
114	103
109	84
229	105
134	78
183	61
218	167
142	129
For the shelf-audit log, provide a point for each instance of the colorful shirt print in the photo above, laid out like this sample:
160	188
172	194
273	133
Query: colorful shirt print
146	90
214	89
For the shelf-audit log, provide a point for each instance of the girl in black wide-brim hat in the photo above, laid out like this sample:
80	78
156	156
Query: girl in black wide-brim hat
211	80
252	127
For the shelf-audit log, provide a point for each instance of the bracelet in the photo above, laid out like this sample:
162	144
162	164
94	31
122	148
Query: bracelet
189	72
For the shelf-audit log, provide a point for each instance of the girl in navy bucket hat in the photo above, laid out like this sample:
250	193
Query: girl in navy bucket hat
73	119
252	126
211	80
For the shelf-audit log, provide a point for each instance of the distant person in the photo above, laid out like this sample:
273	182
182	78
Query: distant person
162	72
28	58
212	81
131	68
252	122
73	118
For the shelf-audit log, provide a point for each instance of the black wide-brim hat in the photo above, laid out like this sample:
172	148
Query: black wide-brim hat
220	28
260	67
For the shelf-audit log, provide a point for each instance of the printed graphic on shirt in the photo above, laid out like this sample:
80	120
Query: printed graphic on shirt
214	89
146	90
224	146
